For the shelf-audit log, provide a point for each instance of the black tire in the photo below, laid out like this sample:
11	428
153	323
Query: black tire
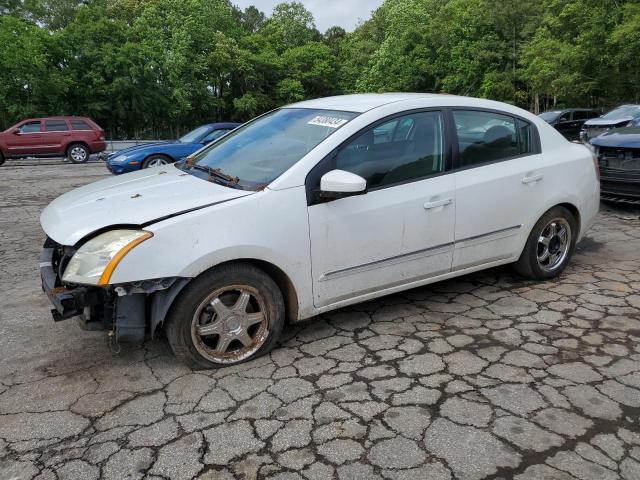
78	153
528	265
149	162
195	302
1	158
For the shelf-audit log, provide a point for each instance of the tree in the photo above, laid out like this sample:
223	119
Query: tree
291	25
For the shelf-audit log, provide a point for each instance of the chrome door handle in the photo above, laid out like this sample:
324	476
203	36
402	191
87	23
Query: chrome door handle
438	203
532	178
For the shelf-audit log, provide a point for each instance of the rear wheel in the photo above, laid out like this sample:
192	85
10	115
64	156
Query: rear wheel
1	158
550	245
78	153
226	316
155	161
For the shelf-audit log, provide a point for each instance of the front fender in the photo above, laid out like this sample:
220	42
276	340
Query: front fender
269	226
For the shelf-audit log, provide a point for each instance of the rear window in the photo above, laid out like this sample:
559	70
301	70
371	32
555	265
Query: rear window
78	124
55	126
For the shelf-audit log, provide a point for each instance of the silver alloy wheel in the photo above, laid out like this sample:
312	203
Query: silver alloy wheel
230	324
553	244
78	154
156	162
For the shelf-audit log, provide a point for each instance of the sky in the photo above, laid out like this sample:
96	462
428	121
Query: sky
327	13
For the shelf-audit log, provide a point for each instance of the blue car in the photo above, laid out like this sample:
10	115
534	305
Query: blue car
163	153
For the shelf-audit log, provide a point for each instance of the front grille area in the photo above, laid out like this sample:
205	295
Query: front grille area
619	158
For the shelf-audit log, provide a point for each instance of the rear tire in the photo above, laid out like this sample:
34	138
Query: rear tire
78	153
550	245
228	315
1	158
155	161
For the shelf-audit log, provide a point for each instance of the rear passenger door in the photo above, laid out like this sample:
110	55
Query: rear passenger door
498	176
55	136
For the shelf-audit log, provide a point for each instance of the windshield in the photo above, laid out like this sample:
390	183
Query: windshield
259	152
624	111
549	116
194	135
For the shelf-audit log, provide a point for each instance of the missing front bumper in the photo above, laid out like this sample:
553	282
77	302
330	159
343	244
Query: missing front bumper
129	310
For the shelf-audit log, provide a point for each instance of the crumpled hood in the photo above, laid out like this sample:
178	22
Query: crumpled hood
132	199
620	137
607	122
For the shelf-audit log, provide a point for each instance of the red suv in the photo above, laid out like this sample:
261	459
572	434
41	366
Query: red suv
73	137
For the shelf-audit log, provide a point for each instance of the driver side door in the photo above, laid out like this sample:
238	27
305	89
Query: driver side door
401	230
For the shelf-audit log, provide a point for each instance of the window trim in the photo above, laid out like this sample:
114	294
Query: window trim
535	143
326	164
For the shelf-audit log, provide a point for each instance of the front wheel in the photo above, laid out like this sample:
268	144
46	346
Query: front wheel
226	316
550	245
155	161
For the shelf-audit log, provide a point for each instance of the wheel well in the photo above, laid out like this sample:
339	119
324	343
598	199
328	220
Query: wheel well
71	144
282	280
168	157
574	211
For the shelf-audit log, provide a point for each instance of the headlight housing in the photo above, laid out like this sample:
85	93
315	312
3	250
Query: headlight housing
121	158
95	261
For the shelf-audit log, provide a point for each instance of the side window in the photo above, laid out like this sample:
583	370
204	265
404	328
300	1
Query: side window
580	115
565	117
55	126
526	137
594	114
404	157
484	137
30	127
211	136
384	133
78	124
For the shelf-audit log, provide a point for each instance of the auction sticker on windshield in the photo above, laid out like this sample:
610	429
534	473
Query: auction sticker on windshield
325	121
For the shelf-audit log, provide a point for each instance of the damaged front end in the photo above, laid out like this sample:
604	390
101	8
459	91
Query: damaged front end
129	311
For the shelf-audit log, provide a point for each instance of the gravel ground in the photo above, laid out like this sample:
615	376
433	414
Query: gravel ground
485	376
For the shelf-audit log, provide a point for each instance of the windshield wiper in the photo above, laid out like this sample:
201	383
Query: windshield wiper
216	175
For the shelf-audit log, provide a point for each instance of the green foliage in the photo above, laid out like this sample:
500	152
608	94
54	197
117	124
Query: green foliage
155	68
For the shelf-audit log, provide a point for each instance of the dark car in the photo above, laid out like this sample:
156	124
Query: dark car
73	137
163	153
618	153
623	116
569	121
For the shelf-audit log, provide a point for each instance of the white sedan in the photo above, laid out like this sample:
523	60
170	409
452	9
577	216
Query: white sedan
312	207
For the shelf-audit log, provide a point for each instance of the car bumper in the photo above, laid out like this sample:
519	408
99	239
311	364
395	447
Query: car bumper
127	310
98	146
620	184
117	168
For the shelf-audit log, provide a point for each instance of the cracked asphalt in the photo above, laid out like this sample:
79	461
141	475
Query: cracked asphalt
485	376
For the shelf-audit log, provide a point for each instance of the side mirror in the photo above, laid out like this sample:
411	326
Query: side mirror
339	184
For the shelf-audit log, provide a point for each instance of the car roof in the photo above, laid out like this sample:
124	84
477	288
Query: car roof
56	117
361	102
222	124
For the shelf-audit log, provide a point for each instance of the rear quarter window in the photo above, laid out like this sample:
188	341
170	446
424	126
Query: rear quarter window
80	125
